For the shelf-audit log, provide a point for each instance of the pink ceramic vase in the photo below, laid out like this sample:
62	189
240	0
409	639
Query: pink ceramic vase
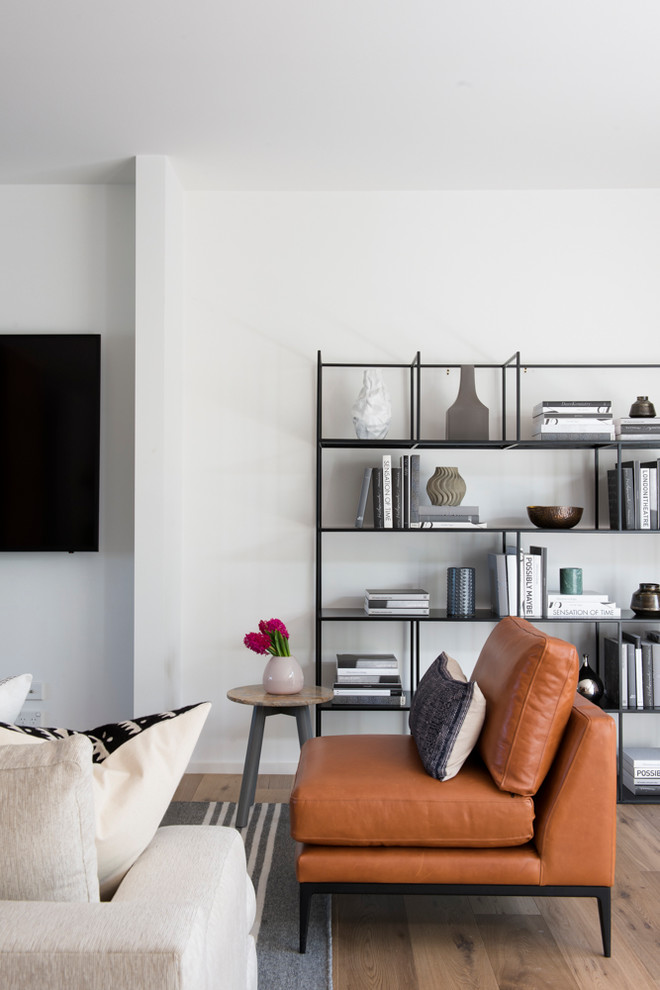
283	675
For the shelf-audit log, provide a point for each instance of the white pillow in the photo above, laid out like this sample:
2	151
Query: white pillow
137	767
13	692
47	852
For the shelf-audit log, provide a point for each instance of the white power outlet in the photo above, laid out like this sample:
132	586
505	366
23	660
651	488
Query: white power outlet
32	719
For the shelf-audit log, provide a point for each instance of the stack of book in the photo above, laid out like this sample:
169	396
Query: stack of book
588	605
448	517
641	770
580	419
634	493
638	428
396	601
631	670
368	679
518	582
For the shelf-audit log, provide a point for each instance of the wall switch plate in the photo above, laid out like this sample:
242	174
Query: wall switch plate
30	718
36	692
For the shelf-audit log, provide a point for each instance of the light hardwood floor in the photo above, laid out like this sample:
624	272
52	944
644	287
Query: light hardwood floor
490	943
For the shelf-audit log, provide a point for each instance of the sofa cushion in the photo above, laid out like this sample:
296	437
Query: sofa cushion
529	681
446	717
372	790
47	852
137	767
13	692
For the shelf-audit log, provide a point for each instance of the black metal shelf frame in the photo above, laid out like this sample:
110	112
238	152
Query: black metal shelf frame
513	366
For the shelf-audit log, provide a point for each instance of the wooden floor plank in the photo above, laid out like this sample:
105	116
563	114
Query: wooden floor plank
447	947
372	949
523	953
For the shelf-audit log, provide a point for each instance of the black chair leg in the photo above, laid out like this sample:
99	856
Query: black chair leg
305	905
605	915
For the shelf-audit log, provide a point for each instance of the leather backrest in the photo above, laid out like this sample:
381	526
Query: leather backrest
529	681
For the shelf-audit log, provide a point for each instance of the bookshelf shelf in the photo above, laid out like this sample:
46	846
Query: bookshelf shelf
410	437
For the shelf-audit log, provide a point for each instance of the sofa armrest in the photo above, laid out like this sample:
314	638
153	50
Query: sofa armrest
180	920
575	831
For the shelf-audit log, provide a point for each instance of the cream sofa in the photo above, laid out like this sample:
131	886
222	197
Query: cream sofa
81	906
180	920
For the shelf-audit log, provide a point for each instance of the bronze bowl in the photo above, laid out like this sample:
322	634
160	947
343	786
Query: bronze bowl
555	516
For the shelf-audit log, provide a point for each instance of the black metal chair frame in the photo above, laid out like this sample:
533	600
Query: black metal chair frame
602	894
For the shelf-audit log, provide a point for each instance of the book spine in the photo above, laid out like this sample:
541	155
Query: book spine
394	701
645	498
405	489
377	489
397	498
388	505
414	491
558	610
565	435
362	501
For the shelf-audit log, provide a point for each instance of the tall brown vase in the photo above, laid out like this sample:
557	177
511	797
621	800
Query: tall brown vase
467	418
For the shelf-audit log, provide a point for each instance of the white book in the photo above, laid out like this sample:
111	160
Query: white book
590	610
586	596
642	756
388	501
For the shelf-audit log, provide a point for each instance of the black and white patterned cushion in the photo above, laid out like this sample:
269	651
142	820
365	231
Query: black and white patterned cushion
105	738
136	767
446	717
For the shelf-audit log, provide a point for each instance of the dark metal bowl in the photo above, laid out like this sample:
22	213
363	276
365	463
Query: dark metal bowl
555	516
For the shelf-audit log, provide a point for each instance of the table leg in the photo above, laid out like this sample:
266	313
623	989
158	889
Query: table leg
251	768
304	724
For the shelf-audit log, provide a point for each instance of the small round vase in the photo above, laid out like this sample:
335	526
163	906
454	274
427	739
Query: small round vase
589	683
645	602
642	407
446	487
283	675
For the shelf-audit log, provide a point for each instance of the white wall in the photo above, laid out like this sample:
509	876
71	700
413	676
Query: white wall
67	265
465	277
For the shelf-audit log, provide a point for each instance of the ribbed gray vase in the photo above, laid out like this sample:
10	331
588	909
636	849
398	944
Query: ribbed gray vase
446	487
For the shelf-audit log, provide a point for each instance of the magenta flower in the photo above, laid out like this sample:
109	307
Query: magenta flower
272	638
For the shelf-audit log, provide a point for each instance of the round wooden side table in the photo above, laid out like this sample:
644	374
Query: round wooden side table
265	704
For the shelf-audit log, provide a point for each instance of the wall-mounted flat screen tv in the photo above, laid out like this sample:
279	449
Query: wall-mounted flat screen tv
50	389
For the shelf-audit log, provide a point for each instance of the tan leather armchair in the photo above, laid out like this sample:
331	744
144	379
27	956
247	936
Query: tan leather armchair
531	812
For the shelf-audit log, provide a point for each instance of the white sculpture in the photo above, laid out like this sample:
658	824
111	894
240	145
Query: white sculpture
372	410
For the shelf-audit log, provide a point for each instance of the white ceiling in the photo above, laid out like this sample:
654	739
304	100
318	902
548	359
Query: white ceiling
334	94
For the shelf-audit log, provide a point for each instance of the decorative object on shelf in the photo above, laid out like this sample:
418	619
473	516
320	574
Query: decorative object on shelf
446	487
460	591
570	580
283	674
645	602
467	418
372	410
589	683
555	516
642	407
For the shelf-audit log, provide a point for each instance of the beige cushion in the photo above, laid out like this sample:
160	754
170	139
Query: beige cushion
13	692
47	850
138	765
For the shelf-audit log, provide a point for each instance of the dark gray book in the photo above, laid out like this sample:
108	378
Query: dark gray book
377	491
362	501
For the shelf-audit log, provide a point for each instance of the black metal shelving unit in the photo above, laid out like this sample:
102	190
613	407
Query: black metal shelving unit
510	372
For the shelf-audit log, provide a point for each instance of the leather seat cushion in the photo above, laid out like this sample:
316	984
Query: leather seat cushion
529	680
372	790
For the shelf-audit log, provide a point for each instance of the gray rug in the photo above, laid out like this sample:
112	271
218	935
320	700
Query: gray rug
269	851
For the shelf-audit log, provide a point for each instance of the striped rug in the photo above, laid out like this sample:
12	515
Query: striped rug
269	851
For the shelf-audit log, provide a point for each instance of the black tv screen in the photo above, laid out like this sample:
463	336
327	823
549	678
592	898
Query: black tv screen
50	386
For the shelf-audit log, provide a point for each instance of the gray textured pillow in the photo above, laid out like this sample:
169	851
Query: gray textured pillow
446	717
47	851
